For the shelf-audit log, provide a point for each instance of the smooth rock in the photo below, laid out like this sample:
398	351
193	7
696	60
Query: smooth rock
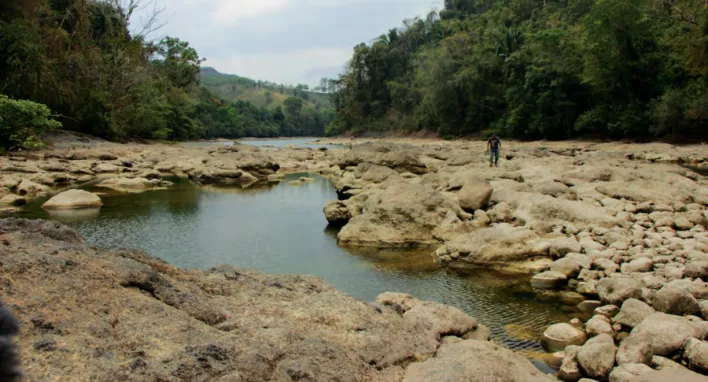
597	356
670	375
13	200
633	312
667	332
635	349
675	300
616	290
643	264
474	196
570	369
598	325
73	199
549	279
558	336
628	372
491	363
696	353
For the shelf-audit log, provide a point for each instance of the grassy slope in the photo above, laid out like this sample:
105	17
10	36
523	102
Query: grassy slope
236	88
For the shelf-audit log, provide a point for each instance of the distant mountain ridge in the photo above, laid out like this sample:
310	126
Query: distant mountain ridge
266	94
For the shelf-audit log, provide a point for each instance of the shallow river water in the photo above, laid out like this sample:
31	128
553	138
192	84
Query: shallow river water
281	229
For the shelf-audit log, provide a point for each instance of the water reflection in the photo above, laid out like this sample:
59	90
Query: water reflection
280	228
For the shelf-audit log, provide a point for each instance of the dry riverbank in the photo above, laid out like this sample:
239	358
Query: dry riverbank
609	223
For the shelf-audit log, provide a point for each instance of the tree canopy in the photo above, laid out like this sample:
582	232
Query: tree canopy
79	58
535	69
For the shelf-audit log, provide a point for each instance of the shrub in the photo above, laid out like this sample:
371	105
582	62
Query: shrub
22	124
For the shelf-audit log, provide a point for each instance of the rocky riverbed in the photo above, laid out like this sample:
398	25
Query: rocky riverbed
620	228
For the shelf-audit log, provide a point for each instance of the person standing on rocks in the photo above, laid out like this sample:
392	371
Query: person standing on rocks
493	147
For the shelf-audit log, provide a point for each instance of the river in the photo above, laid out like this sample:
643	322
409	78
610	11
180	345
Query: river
282	229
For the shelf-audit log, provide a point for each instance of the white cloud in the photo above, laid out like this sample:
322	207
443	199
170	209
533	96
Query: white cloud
229	11
288	68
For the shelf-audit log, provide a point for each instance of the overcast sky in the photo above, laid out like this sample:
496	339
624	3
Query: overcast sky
285	41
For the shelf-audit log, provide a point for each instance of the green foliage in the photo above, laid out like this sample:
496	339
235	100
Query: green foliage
534	69
22	123
80	59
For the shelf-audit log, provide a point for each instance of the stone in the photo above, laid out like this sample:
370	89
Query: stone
73	199
696	353
598	325
337	213
703	305
682	223
31	189
588	306
597	356
660	363
643	264
635	349
570	370
549	279
670	374
474	196
563	246
558	336
696	269
628	372
13	200
616	290
498	245
491	363
606	265
501	213
400	215
608	311
133	184
675	300
667	332
633	312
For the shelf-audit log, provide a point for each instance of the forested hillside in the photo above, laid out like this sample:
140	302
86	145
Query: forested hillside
535	69
260	93
76	63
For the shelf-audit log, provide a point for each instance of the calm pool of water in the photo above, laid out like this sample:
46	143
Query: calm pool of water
281	229
269	143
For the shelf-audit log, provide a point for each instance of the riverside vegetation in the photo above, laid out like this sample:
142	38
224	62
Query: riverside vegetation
619	229
79	60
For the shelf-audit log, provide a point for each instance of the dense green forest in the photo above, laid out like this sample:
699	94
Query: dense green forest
75	63
535	69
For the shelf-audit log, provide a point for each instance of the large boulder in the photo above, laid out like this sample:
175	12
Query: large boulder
399	214
670	374
643	264
597	356
13	200
31	189
474	361
558	336
567	266
73	199
635	349
633	312
598	325
628	372
549	279
337	213
564	245
667	332
615	290
696	353
474	196
133	184
498	245
674	299
570	370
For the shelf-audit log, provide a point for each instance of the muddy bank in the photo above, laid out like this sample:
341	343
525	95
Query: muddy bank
92	314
